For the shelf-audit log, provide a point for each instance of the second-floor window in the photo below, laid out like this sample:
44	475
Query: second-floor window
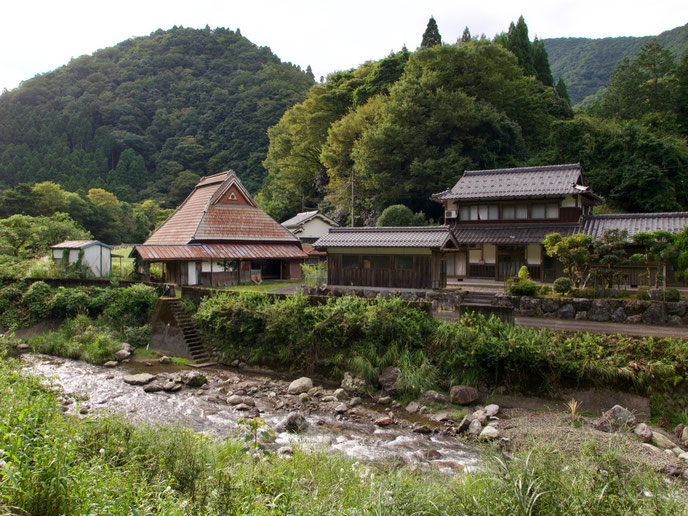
479	212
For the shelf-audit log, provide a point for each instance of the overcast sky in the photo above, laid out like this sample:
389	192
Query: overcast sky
40	35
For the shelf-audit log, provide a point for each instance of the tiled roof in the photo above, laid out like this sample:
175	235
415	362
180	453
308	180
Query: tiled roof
199	219
311	251
510	235
218	252
510	183
596	225
421	236
78	244
299	218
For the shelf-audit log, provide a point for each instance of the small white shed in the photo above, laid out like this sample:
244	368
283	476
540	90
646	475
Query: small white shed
96	255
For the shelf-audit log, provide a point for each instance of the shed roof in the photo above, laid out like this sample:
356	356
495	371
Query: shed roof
162	253
203	217
596	225
434	237
511	183
79	244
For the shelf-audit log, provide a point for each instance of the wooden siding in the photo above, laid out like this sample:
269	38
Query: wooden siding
420	276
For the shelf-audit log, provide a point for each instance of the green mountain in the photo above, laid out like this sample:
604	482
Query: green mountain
149	115
585	64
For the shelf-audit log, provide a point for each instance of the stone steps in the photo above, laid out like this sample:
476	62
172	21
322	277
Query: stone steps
194	343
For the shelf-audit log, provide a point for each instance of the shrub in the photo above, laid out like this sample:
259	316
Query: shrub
544	290
133	304
138	336
563	285
672	295
38	300
643	294
522	287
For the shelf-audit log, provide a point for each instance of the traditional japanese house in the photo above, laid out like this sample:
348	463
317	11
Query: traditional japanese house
500	218
308	226
219	236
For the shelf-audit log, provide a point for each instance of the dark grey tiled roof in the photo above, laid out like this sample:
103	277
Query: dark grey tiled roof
596	225
517	182
299	218
510	235
434	237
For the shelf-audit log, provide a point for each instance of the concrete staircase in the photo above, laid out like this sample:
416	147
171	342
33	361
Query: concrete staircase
192	338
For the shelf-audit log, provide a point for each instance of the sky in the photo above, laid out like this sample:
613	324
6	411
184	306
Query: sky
41	35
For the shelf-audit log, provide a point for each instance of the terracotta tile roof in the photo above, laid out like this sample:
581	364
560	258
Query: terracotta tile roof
513	235
596	225
434	237
219	251
198	219
312	251
509	183
79	244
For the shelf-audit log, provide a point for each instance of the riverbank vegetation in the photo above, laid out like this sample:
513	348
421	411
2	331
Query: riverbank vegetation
52	463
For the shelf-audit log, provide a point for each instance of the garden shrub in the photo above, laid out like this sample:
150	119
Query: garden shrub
138	336
563	285
672	295
38	300
132	305
643	294
524	286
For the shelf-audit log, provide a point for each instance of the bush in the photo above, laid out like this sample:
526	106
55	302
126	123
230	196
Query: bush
672	295
544	290
132	305
563	285
522	287
643	294
138	336
38	300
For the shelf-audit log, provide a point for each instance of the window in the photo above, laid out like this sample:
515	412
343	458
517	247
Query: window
521	211
403	262
552	211
537	211
349	261
474	213
494	212
376	262
482	212
464	213
508	212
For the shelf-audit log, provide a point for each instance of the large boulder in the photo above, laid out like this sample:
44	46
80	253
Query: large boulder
679	308
303	384
636	307
353	384
567	311
463	394
491	410
489	433
194	379
619	315
122	354
655	314
139	379
599	311
294	423
549	305
615	419
530	307
434	397
581	304
388	379
662	441
643	431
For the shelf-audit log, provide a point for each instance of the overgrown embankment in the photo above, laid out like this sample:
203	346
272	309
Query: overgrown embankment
96	320
366	336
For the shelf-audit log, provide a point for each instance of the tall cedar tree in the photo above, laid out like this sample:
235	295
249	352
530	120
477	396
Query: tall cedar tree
466	36
562	91
682	92
518	43
541	63
431	36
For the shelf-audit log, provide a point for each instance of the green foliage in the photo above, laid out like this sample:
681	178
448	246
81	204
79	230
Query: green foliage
138	336
521	287
132	305
314	275
400	215
573	252
431	36
130	118
563	285
31	237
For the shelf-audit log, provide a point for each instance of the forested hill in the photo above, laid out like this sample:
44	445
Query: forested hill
585	64
146	117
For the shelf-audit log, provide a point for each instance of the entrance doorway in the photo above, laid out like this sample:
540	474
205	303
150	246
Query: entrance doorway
510	259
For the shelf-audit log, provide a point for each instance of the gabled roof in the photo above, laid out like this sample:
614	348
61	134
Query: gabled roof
435	237
305	216
219	209
79	244
596	225
513	183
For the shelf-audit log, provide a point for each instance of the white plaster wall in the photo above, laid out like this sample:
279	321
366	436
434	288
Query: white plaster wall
314	228
568	202
533	254
490	253
475	255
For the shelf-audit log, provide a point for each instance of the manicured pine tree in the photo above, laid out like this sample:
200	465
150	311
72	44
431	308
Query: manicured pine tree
466	36
541	63
431	36
518	43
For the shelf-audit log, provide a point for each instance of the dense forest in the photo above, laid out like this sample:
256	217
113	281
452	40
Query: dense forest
406	126
145	118
585	64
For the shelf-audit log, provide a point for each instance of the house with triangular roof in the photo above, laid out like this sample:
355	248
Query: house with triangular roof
220	236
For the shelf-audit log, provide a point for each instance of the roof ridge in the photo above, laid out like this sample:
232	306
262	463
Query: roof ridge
386	229
537	168
637	215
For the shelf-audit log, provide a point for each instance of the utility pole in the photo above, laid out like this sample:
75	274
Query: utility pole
352	197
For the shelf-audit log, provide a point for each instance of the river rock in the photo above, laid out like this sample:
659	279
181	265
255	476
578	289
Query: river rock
138	379
434	397
655	314
235	399
22	346
341	409
383	421
683	456
313	392
154	386
294	423
479	415
412	407
464	424
304	397
111	363
422	429
242	407
341	394
475	427
329	399
172	386
463	394
164	359
353	384
388	379
384	400
614	419
643	431
355	401
491	410
442	415
122	354
249	401
194	379
684	436
303	384
489	433
662	441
